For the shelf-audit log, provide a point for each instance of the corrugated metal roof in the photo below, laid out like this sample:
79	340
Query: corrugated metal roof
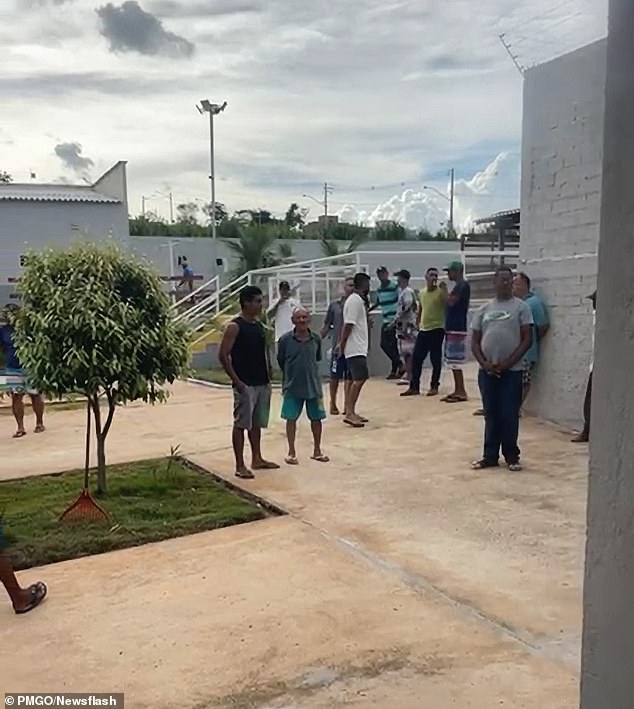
53	193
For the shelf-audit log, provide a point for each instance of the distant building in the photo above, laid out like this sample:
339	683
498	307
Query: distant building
316	229
36	216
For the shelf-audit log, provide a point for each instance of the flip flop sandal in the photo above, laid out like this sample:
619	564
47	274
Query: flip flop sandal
515	467
38	594
39	429
320	458
334	411
266	465
455	400
291	460
478	412
245	474
483	464
19	434
363	419
354	424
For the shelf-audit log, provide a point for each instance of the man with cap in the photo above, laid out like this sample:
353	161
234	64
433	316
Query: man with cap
282	311
406	322
456	329
387	299
584	435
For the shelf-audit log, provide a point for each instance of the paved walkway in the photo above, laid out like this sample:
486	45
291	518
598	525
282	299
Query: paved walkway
398	579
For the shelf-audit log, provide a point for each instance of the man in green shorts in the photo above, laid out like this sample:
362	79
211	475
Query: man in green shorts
299	354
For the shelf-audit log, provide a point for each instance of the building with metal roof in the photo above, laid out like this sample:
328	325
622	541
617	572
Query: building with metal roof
36	216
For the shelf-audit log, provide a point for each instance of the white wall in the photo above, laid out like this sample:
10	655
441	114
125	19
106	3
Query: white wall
561	200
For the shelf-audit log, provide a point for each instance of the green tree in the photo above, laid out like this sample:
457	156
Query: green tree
187	213
254	248
295	217
330	244
95	321
221	212
5	177
390	232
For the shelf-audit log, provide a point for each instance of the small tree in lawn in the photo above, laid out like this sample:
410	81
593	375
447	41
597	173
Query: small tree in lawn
95	321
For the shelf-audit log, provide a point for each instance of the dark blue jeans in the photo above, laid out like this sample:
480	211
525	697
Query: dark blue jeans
501	400
428	342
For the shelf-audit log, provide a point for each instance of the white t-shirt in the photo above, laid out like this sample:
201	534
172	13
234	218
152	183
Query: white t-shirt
354	313
283	317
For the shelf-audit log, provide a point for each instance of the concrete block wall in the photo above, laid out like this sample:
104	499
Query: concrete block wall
561	208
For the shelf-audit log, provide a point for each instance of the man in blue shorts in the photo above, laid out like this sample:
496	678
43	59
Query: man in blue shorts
299	354
333	324
456	330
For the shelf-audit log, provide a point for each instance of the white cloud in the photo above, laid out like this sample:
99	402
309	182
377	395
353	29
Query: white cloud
476	197
376	92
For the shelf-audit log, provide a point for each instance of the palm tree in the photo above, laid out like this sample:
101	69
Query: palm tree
330	245
253	248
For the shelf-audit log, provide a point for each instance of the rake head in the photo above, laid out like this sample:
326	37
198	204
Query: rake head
84	509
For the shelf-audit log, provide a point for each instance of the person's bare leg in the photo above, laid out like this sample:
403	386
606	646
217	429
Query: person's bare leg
334	388
355	391
17	404
291	434
237	439
317	428
20	597
257	461
459	389
346	394
37	402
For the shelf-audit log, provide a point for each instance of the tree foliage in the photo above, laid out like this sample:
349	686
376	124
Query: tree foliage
254	248
295	217
390	232
95	321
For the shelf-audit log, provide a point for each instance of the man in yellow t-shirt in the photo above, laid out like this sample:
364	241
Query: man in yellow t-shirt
433	300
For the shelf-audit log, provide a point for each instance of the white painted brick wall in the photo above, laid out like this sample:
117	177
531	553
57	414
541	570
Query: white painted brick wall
562	153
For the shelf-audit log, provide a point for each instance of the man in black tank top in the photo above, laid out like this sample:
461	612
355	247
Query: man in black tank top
244	356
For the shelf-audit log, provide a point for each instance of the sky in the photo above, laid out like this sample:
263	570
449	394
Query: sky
378	98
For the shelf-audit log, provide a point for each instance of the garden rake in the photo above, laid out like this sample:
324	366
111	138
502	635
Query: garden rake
85	509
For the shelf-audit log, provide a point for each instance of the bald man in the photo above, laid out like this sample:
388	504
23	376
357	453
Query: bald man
299	354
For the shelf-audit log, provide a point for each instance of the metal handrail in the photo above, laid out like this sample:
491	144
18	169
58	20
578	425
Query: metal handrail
215	279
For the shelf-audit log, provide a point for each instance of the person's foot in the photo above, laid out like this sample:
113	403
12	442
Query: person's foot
478	412
40	428
483	464
393	375
582	437
244	473
515	467
320	457
291	459
403	382
264	465
20	433
433	391
410	392
455	398
30	598
334	411
354	421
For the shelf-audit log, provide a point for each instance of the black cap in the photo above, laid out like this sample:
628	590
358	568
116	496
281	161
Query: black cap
285	284
404	273
382	269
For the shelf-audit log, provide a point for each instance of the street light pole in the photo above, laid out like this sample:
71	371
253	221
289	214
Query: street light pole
451	201
213	109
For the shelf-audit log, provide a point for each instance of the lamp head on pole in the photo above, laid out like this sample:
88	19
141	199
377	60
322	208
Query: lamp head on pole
207	107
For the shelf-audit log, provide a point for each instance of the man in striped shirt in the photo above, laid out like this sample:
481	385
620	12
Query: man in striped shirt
387	298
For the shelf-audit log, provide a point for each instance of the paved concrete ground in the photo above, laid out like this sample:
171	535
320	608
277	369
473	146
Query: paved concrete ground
399	579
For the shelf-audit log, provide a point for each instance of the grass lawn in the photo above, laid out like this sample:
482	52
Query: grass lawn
219	376
147	501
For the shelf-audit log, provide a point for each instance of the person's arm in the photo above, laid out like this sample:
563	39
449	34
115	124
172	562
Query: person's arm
318	340
419	311
226	346
270	313
329	321
456	294
526	340
345	334
281	353
476	342
540	319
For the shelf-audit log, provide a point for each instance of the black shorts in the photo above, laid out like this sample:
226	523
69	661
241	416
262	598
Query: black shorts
358	368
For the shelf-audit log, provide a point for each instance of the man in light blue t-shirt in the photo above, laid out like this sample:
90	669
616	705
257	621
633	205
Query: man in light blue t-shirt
541	325
501	338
